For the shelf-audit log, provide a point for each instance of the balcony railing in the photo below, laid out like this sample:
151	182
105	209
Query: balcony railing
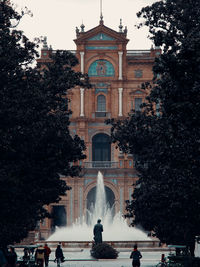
102	114
101	164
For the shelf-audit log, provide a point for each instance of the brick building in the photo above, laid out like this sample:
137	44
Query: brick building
116	75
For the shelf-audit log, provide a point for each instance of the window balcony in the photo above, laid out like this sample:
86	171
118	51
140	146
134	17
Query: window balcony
101	164
102	114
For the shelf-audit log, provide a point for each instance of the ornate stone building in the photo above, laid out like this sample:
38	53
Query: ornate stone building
116	75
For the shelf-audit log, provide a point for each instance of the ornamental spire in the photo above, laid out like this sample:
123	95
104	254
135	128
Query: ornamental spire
82	27
120	26
101	15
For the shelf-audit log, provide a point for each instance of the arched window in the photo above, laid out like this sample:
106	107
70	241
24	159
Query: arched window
101	68
138	103
101	103
101	147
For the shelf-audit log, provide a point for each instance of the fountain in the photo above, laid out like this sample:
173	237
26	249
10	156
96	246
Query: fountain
115	228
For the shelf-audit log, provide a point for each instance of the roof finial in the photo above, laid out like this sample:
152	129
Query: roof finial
82	27
101	15
45	46
120	26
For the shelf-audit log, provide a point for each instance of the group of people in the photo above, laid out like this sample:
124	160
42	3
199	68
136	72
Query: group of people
135	254
42	255
8	258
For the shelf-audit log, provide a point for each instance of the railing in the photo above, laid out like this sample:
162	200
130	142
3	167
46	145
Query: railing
138	52
102	114
101	164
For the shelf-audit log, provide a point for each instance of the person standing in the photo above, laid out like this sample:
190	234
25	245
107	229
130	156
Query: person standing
39	256
47	252
136	256
11	257
97	231
59	255
3	260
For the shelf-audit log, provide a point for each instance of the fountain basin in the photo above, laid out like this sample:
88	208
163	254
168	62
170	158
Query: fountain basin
115	244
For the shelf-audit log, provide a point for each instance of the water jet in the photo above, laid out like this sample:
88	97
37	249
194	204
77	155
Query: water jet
115	228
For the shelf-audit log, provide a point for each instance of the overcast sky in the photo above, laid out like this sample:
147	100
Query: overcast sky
57	19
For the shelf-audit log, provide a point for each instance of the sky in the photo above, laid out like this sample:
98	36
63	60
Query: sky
58	19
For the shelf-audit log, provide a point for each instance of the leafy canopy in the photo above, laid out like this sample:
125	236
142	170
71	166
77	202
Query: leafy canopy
164	137
36	148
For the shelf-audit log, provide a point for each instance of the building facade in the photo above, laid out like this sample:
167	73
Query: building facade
116	75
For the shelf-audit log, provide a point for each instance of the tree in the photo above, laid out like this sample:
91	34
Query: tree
36	148
165	141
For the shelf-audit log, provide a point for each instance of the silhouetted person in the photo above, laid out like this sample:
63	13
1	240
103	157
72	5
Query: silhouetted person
39	256
26	255
136	256
32	250
98	229
190	242
3	260
59	255
11	257
47	252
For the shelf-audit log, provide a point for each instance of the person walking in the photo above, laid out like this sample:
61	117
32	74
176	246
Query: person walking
39	256
59	255
136	256
97	231
47	252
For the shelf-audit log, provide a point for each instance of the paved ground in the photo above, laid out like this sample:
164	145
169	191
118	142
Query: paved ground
81	258
149	259
76	257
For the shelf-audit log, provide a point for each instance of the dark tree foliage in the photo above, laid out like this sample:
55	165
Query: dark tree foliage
165	141
36	148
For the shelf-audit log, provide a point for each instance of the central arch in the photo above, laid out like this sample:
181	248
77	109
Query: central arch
110	198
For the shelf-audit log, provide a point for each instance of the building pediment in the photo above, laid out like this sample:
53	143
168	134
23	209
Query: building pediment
101	33
101	37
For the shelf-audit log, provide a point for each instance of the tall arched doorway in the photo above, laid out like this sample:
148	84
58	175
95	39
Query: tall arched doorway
101	148
59	217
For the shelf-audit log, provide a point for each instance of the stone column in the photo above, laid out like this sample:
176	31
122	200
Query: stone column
120	65
81	203
121	201
82	61
71	206
120	101
82	102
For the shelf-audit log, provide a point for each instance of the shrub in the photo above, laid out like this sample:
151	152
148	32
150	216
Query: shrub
104	251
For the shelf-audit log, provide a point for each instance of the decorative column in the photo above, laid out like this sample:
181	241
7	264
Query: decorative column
81	203
120	101
82	102
71	205
82	61
120	65
121	200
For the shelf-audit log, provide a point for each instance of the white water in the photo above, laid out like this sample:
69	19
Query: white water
115	229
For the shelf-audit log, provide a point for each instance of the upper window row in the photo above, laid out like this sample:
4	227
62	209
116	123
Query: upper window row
103	68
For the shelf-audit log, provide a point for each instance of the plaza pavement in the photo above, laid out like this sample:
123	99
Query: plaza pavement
79	259
75	257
